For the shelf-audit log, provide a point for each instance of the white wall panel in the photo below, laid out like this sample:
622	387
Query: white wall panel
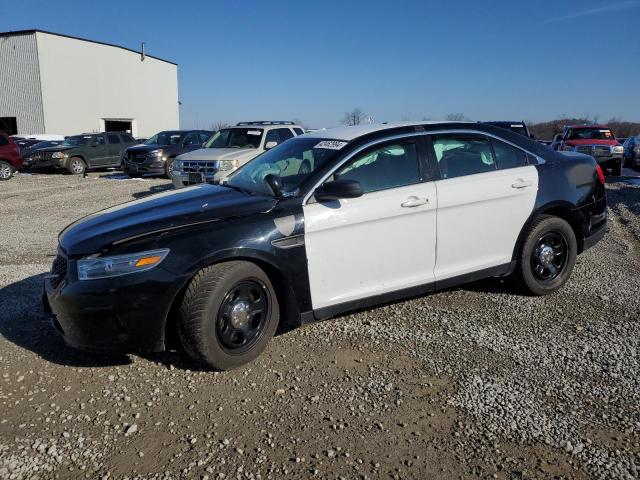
20	94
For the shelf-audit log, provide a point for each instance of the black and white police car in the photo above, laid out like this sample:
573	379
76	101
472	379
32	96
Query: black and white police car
378	213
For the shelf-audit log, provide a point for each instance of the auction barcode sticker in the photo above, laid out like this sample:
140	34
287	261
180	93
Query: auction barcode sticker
331	144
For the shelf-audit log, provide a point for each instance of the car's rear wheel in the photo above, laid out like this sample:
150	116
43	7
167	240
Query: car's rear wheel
547	256
76	166
228	315
6	170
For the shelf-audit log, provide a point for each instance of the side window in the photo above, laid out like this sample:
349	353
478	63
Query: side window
298	131
113	138
460	155
126	138
508	156
191	139
389	166
285	134
272	136
99	140
204	136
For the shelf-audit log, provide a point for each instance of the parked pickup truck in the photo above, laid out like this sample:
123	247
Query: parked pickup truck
229	149
79	153
595	140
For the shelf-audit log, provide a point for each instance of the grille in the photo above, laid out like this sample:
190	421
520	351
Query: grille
137	157
199	166
59	269
595	150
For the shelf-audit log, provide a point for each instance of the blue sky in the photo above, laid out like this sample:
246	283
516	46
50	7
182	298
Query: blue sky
396	59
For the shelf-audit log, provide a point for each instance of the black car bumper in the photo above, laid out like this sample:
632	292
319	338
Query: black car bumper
125	314
155	166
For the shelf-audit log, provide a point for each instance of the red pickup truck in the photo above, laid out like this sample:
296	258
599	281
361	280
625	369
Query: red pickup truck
595	140
10	160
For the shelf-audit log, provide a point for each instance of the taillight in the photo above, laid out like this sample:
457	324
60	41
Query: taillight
600	173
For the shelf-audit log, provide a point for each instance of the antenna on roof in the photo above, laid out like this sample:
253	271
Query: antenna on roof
142	54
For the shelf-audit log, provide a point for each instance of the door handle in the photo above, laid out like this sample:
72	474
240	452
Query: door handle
414	202
521	183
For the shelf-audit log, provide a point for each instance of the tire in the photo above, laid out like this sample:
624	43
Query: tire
616	169
213	322
76	166
6	170
167	166
535	260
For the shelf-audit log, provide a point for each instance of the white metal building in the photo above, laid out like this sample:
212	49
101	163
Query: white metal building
58	84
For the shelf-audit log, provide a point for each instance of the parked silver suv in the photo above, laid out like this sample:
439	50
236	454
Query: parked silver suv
229	149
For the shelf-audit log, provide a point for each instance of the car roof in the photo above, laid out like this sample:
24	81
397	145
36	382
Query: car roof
505	122
349	133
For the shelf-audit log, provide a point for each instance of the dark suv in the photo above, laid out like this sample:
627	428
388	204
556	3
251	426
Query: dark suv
156	155
81	152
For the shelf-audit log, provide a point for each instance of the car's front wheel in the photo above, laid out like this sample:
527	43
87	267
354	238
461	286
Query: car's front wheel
547	256
228	315
76	166
6	170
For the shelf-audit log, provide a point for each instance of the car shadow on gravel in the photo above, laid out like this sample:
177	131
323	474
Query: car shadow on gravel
23	322
154	189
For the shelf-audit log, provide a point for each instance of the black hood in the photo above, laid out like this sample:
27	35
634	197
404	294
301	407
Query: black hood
156	213
57	148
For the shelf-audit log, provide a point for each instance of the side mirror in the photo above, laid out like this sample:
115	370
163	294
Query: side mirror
270	144
531	135
337	189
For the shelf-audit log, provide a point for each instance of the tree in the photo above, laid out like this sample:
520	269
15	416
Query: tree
354	117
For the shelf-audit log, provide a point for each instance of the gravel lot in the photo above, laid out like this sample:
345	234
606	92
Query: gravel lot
470	382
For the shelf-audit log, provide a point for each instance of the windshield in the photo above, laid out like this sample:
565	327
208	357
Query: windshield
164	138
518	129
590	134
235	138
76	140
294	161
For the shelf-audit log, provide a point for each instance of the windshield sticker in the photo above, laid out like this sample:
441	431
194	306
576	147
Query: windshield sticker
331	144
254	132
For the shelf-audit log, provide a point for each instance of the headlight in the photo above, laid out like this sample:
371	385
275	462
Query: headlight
225	165
617	149
637	149
176	166
58	155
155	153
118	265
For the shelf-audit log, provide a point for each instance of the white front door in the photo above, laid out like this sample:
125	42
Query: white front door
486	194
380	242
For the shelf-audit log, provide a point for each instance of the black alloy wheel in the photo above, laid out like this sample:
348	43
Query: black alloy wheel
242	315
549	256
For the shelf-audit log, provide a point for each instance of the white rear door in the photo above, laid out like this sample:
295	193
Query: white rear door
486	194
380	242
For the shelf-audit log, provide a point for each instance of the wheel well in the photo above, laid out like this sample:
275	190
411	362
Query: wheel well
289	313
571	218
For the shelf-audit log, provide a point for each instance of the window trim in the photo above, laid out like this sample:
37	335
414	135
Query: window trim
309	194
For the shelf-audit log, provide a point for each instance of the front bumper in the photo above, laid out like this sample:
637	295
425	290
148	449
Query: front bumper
125	314
151	165
181	180
31	163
